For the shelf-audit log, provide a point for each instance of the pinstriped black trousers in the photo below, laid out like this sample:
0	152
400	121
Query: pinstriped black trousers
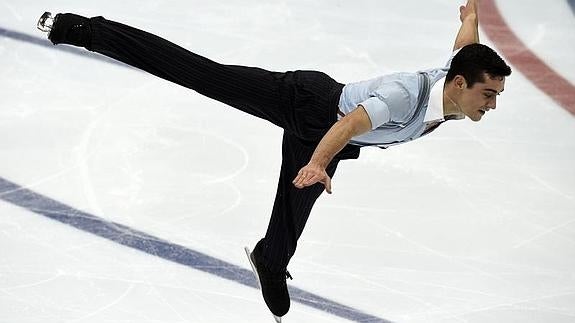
303	103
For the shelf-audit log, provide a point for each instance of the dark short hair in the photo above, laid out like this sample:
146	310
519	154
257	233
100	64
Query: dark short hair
473	61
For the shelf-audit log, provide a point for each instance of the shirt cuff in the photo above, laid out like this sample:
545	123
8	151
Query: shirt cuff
377	110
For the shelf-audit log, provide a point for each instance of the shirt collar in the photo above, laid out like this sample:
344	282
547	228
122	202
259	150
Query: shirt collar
434	111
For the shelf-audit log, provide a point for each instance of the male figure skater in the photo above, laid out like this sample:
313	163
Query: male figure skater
324	121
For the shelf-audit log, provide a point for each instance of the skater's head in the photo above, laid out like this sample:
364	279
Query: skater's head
475	78
473	61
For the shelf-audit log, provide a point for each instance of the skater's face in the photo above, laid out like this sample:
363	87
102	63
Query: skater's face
478	99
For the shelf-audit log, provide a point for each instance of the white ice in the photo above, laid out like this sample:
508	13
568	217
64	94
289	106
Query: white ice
475	223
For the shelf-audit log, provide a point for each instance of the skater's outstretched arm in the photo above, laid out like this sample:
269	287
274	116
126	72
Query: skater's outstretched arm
468	32
353	124
358	122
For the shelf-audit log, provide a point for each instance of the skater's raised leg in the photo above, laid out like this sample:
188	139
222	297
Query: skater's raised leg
253	90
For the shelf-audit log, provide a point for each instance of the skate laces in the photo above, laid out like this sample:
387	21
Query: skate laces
267	276
274	278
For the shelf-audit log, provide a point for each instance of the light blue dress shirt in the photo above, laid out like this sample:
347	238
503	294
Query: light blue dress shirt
393	104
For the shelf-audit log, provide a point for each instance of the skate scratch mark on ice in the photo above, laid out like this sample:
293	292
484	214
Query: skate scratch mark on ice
12	11
549	186
432	251
105	307
544	233
36	283
523	303
82	151
160	297
121	234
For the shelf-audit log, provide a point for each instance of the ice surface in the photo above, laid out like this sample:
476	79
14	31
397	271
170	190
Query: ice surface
474	223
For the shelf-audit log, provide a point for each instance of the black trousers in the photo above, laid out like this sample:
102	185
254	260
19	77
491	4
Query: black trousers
303	103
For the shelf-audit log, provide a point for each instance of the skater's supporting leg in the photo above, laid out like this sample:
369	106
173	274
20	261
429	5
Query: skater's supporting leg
291	210
292	206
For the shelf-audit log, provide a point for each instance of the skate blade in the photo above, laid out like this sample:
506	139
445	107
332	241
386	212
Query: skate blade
45	22
249	254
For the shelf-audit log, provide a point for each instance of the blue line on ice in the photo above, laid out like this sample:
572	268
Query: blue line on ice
42	205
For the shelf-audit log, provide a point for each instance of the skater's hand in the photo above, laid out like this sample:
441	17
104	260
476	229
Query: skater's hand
469	10
312	174
469	31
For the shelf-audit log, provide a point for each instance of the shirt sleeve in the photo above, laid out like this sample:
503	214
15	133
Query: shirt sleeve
391	101
377	110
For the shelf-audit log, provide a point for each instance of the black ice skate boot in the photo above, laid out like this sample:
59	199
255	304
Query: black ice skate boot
66	28
273	285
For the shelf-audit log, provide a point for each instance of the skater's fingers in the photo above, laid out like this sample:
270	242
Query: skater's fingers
303	177
327	184
300	177
304	172
313	179
310	175
306	180
300	180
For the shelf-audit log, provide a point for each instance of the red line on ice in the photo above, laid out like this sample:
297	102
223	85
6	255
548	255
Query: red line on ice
515	51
